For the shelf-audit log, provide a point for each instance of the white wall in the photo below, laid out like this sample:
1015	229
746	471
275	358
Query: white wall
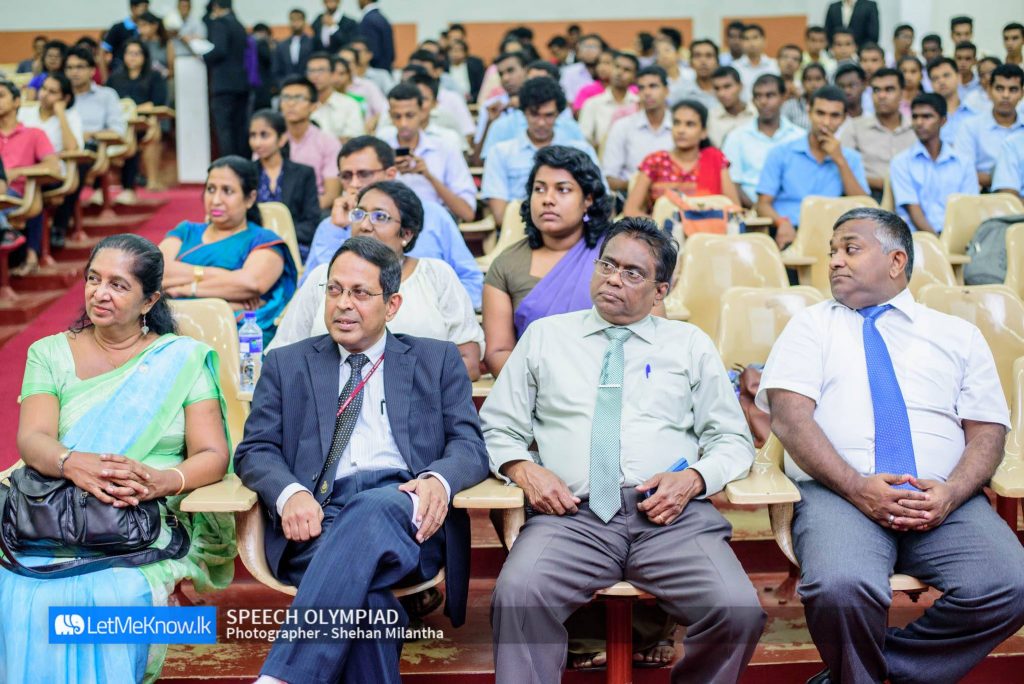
432	15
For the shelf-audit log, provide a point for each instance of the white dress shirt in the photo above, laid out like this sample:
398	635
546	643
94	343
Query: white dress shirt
372	445
340	116
30	117
630	140
943	365
750	72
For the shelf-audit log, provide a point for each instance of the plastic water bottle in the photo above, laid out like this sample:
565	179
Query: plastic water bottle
250	351
733	227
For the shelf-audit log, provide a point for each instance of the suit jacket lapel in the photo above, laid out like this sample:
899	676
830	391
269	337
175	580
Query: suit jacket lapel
323	363
398	373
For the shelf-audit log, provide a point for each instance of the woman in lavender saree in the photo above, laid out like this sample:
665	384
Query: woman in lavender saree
566	212
128	411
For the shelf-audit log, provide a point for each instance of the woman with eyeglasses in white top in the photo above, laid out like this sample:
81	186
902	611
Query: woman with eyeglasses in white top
434	302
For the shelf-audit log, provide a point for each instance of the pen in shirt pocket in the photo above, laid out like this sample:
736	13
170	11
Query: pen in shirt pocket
677	467
382	404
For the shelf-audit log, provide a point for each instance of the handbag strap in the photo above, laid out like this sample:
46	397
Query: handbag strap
176	548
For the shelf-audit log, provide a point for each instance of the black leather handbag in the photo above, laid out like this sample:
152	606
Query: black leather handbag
46	516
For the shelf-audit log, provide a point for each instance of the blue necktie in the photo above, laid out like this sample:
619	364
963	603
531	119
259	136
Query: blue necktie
894	448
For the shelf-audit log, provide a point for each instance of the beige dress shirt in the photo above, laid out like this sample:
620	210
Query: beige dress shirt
721	123
876	143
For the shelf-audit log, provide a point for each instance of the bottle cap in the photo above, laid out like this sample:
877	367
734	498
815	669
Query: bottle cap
250	316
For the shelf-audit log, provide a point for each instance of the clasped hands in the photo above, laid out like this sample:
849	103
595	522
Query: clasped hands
118	480
301	516
903	510
546	493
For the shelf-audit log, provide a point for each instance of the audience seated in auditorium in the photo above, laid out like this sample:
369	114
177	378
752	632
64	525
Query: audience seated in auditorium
931	48
666	56
966	57
1013	41
634	137
365	69
703	62
981	137
566	213
386	462
34	64
544	395
754	62
374	101
466	70
816	50
510	162
816	164
797	110
229	79
127	411
603	71
748	146
978	101
308	144
732	110
291	53
582	72
364	161
843	49
231	257
23	149
925	175
57	116
136	80
430	165
336	114
439	118
154	36
881	135
789	57
1008	175
332	28
944	82
894	453
448	99
618	101
54	54
281	179
851	79
434	303
733	43
692	167
115	38
913	75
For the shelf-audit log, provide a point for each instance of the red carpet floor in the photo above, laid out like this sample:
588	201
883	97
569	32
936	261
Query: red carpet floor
185	204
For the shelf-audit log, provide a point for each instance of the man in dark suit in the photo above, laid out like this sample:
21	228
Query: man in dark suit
229	81
376	29
859	17
290	55
332	29
355	484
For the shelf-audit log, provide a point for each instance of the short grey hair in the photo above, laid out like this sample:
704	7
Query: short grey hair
890	230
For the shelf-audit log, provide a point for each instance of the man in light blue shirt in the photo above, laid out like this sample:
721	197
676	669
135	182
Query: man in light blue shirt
366	160
748	146
1009	172
946	83
981	137
813	165
508	167
923	176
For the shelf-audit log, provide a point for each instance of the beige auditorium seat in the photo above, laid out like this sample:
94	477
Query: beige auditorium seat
278	218
931	267
1015	259
513	229
817	216
964	213
752	318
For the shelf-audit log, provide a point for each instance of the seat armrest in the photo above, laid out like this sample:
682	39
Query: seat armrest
109	137
1008	480
78	156
490	494
958	259
795	261
765	484
244	395
675	311
227	496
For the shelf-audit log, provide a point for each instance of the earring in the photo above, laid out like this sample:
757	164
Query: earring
586	218
405	242
145	328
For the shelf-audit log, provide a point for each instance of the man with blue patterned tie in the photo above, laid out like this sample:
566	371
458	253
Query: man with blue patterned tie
893	420
355	459
613	398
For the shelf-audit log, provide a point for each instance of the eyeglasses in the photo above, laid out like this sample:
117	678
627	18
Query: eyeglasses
295	98
607	269
377	217
334	290
362	174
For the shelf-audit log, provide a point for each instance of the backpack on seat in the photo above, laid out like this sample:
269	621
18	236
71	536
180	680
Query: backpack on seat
987	250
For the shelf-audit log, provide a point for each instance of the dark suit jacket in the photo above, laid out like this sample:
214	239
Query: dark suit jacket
227	58
376	29
347	30
283	64
475	67
433	420
298	192
863	22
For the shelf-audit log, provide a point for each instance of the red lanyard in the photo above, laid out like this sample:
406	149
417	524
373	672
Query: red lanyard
360	386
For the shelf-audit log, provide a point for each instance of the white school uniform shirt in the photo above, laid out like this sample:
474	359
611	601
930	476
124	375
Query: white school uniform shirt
943	365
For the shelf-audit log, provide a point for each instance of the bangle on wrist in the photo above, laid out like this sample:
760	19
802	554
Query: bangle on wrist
61	459
182	476
197	273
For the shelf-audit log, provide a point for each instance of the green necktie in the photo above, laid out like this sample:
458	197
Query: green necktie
606	430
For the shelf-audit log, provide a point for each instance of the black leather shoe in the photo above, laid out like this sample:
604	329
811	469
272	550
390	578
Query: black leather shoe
823	677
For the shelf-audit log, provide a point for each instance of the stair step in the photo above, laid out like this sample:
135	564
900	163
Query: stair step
145	205
60	276
26	306
9	331
76	250
112	225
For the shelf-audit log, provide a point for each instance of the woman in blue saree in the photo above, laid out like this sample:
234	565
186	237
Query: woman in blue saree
566	213
128	411
230	256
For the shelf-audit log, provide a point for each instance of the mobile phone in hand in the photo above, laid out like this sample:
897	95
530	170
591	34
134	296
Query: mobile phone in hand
402	152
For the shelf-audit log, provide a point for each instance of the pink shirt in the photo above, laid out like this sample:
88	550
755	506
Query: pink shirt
589	91
23	146
318	150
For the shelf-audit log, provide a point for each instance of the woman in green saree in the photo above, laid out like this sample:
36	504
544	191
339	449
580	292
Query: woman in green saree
128	411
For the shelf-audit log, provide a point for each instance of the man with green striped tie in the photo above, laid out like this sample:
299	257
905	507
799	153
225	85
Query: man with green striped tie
613	398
